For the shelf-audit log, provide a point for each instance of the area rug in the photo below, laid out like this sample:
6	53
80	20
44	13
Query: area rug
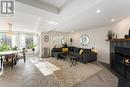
45	67
69	76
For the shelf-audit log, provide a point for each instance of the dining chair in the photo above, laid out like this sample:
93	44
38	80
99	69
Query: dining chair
21	55
10	59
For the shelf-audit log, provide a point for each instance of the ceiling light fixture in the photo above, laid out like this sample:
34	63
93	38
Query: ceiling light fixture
51	22
10	30
98	11
113	20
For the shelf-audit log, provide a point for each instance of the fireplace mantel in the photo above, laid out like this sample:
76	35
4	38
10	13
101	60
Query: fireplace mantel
119	40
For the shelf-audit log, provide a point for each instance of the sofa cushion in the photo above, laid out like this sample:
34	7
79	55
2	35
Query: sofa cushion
70	48
57	49
55	53
81	51
64	50
76	49
74	54
87	50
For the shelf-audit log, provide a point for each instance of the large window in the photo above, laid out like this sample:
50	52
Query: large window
5	39
29	41
13	41
19	40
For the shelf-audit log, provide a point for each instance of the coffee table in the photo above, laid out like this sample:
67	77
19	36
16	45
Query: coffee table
62	56
73	60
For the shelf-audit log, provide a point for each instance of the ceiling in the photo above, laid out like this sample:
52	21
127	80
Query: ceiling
21	22
55	3
66	15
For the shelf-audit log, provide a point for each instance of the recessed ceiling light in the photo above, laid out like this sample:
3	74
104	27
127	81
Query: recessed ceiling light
51	22
113	20
98	11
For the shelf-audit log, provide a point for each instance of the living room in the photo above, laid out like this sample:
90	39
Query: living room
65	43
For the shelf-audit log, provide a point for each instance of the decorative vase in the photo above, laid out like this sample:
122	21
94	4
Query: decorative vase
126	36
70	39
109	38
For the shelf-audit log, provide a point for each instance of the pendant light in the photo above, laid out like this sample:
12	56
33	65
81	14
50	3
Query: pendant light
10	29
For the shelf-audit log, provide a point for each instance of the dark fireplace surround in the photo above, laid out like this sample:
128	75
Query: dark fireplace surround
121	61
120	57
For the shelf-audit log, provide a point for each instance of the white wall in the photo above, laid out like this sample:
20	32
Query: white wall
51	35
122	27
98	37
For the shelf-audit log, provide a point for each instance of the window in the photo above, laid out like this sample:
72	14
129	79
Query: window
5	39
13	41
28	41
19	40
22	41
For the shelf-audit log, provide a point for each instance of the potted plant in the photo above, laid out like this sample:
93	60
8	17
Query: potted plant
32	46
110	34
5	47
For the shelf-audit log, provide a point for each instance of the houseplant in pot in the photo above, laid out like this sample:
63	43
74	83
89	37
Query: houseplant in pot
110	34
4	47
32	46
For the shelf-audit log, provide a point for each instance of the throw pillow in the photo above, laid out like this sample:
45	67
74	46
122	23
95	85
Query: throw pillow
64	50
81	51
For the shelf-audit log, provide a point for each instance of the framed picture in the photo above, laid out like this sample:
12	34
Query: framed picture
46	38
84	40
57	40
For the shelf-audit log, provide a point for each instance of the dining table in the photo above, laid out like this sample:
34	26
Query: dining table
4	53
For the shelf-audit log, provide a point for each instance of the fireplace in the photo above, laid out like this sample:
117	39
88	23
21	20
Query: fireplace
121	61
